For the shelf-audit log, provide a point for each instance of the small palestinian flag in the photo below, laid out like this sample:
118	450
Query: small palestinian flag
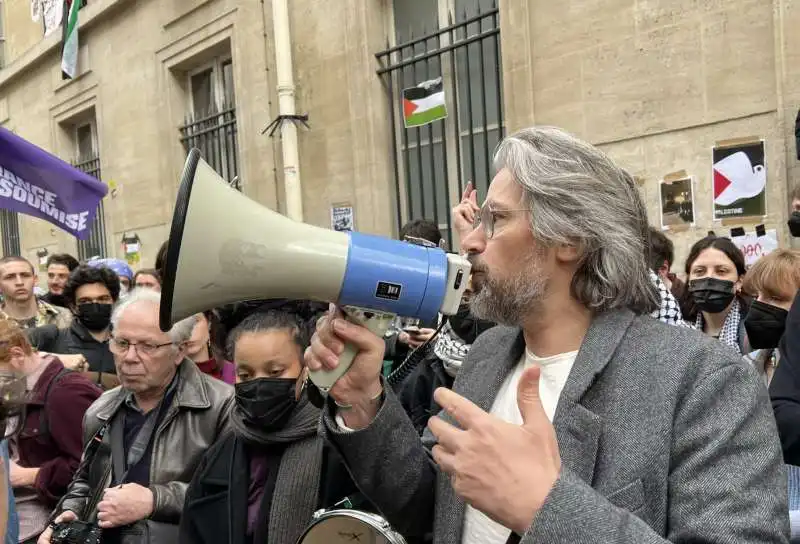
424	103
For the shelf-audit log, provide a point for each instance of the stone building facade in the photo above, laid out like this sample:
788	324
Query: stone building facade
654	82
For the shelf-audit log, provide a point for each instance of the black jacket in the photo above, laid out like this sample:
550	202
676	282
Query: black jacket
416	391
785	387
75	340
215	509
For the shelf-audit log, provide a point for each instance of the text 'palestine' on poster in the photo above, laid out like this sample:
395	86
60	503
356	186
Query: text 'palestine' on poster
740	180
424	103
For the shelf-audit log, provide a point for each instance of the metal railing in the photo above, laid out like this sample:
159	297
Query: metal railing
215	135
95	244
434	162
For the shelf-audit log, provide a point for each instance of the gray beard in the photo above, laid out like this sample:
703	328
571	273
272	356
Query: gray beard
510	301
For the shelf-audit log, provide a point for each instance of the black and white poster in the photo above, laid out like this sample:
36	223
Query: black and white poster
740	180
677	202
342	218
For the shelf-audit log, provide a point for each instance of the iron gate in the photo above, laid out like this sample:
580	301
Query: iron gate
433	163
95	244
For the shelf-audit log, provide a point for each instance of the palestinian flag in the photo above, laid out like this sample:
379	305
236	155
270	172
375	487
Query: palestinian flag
69	47
424	103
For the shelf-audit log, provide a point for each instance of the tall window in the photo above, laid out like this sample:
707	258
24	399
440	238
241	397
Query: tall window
87	158
457	44
211	123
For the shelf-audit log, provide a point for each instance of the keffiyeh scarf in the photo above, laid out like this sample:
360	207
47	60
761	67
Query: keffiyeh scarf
729	335
669	311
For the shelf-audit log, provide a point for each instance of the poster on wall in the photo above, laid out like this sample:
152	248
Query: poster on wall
755	246
677	202
740	180
42	256
342	218
132	248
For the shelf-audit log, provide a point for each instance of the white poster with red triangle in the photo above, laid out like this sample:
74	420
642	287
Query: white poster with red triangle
739	180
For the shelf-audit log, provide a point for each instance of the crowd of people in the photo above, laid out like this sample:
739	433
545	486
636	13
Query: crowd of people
583	392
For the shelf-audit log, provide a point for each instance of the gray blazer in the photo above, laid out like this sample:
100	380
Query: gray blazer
665	435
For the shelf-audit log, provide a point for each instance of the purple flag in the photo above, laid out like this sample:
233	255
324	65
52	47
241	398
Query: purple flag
34	182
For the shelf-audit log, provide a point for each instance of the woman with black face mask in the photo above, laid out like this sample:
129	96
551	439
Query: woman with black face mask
263	481
774	280
715	268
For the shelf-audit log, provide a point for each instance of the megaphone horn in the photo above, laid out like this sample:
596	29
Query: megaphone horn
225	248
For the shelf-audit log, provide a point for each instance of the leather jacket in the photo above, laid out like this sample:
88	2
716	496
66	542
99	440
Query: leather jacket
198	414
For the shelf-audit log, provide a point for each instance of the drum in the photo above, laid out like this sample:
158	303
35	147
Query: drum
351	526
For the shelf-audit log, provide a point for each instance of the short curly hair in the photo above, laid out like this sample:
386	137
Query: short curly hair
84	275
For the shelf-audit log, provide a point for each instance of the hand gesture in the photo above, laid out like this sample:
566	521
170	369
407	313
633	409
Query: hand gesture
465	212
504	470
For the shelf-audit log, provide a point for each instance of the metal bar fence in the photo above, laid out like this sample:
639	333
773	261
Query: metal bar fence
215	135
95	245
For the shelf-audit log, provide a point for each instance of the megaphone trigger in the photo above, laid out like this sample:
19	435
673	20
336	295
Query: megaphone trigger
376	321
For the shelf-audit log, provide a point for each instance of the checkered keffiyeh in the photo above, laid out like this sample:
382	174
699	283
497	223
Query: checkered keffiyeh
729	335
450	349
669	311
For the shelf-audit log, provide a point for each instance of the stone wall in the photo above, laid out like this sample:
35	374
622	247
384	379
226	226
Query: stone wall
657	82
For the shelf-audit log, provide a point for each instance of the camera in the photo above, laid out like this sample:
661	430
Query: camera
76	532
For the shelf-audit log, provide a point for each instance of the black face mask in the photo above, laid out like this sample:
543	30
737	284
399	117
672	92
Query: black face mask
466	325
794	224
765	324
711	294
266	403
94	316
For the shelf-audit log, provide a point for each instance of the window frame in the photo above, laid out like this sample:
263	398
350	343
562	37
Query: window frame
92	124
217	81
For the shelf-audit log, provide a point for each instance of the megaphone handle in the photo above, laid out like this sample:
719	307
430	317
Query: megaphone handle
377	322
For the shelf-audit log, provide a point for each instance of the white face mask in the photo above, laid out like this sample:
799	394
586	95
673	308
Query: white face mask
123	291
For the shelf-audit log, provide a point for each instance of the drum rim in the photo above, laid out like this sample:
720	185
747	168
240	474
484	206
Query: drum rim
376	521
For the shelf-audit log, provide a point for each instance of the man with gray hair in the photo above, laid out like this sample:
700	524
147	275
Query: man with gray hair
145	438
582	419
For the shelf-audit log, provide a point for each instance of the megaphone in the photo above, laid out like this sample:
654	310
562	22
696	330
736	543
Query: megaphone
224	248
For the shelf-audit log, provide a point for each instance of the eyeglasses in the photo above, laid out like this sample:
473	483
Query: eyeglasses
120	346
486	218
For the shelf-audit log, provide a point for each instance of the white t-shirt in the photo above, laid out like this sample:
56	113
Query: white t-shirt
478	528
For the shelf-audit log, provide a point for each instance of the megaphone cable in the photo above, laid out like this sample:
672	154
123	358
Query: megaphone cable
413	359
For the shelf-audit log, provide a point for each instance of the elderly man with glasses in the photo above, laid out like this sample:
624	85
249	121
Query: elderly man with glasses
145	438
